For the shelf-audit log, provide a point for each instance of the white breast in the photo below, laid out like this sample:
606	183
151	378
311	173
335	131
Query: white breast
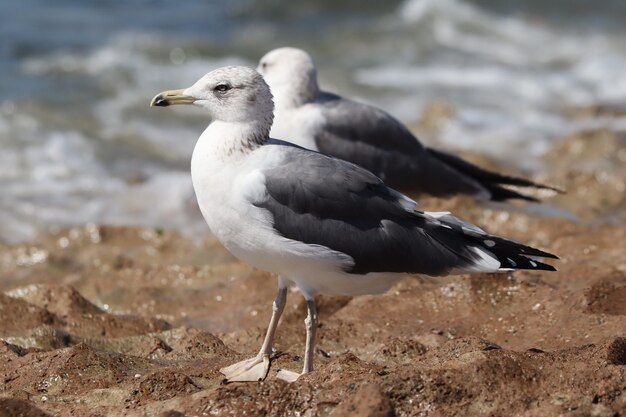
298	125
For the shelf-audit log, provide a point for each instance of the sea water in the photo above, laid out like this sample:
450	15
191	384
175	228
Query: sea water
80	144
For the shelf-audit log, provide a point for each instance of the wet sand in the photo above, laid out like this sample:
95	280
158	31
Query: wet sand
111	321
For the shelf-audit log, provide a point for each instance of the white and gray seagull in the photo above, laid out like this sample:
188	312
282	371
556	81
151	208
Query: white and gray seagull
323	224
369	137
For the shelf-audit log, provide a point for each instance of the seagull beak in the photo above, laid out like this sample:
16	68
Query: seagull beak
167	98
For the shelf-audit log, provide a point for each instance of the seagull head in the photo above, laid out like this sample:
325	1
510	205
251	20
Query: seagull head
230	94
291	74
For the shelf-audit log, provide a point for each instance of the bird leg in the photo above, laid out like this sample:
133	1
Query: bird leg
311	327
256	368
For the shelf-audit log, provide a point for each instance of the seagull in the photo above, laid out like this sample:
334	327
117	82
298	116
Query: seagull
320	223
370	137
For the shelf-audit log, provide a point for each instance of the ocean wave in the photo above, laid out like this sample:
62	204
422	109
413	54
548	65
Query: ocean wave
118	162
96	152
511	80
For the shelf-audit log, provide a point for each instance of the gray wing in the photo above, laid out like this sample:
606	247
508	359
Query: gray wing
352	121
373	139
325	201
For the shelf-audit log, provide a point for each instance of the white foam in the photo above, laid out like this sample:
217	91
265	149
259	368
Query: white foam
509	95
114	160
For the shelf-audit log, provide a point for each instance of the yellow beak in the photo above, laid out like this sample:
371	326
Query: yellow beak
170	97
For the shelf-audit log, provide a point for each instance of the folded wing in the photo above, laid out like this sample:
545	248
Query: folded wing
325	201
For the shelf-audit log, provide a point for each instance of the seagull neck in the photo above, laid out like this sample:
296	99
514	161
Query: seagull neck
236	138
296	94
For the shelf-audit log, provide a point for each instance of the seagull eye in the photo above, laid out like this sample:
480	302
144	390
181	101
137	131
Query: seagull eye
222	87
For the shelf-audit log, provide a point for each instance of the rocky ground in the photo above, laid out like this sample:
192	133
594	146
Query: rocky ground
110	321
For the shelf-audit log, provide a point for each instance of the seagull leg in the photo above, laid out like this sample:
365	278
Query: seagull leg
256	368
311	327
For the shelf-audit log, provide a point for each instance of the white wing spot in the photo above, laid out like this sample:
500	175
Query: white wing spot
534	264
489	243
512	262
437	214
486	262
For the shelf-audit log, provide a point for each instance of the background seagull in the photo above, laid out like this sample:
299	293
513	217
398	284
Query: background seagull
324	224
370	137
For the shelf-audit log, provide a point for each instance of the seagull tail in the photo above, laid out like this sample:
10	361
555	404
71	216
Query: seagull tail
492	181
481	251
513	255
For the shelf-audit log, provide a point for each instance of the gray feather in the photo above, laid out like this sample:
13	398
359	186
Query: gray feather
325	201
373	139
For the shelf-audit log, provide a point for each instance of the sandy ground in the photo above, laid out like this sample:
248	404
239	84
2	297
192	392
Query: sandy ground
109	321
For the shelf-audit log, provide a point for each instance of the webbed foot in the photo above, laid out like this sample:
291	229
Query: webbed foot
288	376
250	370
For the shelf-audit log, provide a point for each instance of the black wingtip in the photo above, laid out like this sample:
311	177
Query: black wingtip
500	194
493	181
554	188
517	262
530	251
540	253
545	267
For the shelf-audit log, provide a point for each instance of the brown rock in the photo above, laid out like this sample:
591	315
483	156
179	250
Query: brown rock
61	300
192	343
478	330
607	295
17	314
10	407
171	413
368	401
162	385
588	150
113	325
401	350
616	351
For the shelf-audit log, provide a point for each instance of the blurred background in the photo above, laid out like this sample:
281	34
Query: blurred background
80	144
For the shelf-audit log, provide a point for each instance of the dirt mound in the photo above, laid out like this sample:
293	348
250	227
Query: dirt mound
137	322
10	407
528	344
